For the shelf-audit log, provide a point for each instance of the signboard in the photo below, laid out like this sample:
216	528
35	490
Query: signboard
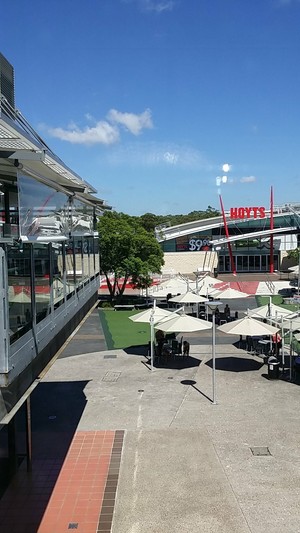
247	212
197	245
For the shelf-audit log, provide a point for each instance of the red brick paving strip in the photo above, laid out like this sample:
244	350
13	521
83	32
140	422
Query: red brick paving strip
86	485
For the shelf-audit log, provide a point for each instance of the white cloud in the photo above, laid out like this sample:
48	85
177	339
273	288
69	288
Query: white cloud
170	158
101	133
133	123
248	179
154	154
156	6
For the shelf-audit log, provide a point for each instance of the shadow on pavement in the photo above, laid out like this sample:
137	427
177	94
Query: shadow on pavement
235	364
177	363
141	350
56	408
192	383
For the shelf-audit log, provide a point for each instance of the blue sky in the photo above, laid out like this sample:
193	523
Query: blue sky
147	99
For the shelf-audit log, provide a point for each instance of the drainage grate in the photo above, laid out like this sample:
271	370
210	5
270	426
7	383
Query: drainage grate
260	450
110	356
73	525
141	390
111	376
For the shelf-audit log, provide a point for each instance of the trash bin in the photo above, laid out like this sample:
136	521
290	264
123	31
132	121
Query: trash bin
216	272
273	368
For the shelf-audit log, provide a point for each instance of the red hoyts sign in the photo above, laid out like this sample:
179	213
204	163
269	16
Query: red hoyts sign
247	212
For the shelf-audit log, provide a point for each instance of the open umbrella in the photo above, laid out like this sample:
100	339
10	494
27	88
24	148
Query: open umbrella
150	316
227	294
248	326
154	312
182	323
172	286
294	269
208	283
269	311
21	297
189	298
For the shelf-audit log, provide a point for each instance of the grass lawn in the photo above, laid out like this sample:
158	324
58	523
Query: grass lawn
120	332
276	300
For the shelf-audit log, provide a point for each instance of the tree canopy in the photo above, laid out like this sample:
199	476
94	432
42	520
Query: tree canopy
294	254
150	221
127	250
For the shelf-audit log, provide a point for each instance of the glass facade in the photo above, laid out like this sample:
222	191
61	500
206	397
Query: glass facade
43	275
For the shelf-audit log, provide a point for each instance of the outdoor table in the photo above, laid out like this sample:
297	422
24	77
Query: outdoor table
265	345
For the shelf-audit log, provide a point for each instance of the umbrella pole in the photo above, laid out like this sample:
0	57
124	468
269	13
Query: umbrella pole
214	356
291	349
151	337
282	345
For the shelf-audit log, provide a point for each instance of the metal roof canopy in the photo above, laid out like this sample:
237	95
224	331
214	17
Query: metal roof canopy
26	147
261	233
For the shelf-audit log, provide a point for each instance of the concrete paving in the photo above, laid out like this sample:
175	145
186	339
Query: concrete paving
188	465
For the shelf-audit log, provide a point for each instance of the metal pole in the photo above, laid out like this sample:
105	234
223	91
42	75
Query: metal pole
291	349
298	274
151	337
28	435
282	347
214	356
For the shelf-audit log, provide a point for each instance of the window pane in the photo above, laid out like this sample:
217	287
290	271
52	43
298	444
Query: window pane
19	290
41	255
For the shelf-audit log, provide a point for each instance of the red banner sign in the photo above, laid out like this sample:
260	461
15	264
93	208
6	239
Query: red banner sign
247	212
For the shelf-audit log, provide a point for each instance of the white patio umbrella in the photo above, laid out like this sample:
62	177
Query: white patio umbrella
182	323
207	283
248	326
228	294
20	298
172	286
294	269
268	311
150	316
189	298
175	282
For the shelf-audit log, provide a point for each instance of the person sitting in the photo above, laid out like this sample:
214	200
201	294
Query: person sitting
227	312
217	316
186	348
160	340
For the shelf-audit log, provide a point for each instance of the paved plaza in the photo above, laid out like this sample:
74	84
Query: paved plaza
162	457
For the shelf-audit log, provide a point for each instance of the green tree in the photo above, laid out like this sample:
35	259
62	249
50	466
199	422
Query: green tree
127	250
294	254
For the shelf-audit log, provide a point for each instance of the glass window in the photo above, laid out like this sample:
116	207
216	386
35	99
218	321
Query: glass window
19	290
239	263
57	274
245	263
41	260
70	267
92	257
78	245
97	256
43	210
82	220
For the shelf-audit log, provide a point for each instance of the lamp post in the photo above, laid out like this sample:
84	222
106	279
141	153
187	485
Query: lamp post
212	305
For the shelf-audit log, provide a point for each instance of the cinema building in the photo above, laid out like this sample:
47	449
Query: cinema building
241	239
49	260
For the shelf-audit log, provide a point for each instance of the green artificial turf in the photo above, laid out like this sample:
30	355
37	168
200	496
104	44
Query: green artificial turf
120	332
276	300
